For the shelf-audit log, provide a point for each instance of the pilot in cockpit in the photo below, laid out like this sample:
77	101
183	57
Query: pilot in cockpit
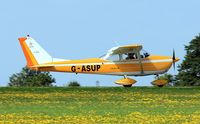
131	56
146	54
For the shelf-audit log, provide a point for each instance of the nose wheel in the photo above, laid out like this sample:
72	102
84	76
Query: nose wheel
159	82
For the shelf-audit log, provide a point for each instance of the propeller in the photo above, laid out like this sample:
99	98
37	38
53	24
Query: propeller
174	60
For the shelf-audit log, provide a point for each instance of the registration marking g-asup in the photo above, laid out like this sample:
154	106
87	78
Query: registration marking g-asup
86	68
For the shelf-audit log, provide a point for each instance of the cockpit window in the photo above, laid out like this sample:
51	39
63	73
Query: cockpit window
144	54
128	56
125	56
114	57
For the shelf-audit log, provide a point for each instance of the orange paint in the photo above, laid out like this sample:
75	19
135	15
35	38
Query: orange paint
150	65
31	61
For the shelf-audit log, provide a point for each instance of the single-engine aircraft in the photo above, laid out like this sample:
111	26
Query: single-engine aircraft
128	60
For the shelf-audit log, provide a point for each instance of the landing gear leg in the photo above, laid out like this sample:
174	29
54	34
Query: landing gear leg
157	76
125	77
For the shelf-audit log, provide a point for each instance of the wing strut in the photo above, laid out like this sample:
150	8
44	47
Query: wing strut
140	61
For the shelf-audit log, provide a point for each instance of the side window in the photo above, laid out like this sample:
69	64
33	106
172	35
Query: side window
129	56
142	56
113	57
145	55
124	56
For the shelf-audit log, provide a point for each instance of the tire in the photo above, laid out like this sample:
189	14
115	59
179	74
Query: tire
160	85
127	85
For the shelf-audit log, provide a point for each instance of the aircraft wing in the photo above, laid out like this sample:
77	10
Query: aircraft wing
49	65
126	49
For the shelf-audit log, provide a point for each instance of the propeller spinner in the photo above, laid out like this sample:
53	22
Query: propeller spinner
174	59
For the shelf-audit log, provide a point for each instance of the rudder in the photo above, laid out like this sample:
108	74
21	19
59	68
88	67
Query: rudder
34	53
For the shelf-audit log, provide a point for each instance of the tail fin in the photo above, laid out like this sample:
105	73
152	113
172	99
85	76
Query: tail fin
34	53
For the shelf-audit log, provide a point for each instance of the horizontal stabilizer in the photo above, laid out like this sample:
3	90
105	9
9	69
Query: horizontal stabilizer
42	66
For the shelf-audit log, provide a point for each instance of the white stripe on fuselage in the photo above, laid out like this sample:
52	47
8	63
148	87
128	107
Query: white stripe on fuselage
138	73
108	63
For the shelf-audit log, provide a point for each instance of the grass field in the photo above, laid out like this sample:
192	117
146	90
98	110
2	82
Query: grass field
100	105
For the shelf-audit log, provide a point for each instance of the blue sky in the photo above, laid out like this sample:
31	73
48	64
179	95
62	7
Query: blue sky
76	29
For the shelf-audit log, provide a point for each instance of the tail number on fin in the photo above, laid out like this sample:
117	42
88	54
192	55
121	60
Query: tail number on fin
86	68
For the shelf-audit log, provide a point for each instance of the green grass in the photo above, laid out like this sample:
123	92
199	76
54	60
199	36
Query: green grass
115	102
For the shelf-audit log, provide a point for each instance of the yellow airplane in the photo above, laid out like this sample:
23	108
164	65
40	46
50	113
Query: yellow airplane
129	60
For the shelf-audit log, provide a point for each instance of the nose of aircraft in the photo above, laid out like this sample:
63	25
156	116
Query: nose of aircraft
176	59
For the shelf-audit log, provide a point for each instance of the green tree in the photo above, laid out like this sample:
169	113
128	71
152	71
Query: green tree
31	78
169	77
189	69
74	84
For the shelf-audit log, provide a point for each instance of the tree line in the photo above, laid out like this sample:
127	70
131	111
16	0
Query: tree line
33	78
188	71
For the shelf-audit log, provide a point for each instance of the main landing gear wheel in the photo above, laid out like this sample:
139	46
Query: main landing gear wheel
160	85
126	82
127	85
